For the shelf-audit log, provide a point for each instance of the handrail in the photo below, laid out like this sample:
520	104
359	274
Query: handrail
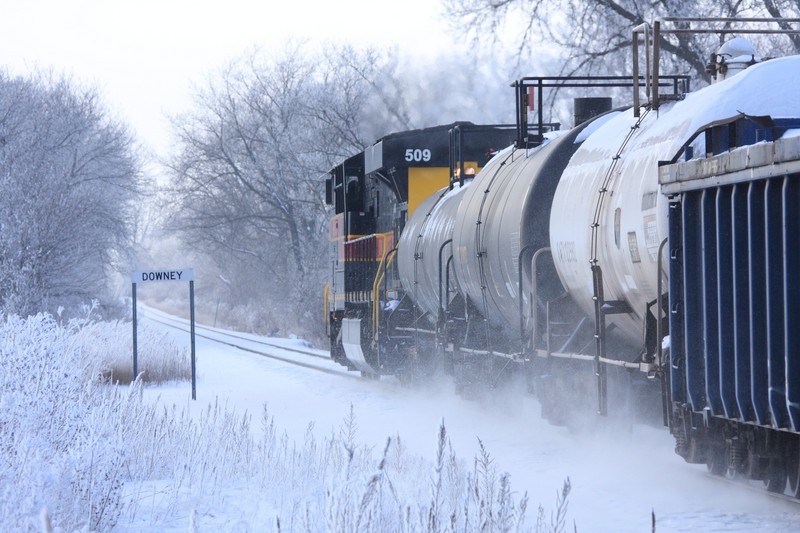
535	295
525	250
441	303
665	389
379	276
325	306
660	304
679	25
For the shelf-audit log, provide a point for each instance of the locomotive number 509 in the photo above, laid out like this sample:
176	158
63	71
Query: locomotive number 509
417	155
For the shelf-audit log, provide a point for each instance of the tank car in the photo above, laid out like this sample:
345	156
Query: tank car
645	258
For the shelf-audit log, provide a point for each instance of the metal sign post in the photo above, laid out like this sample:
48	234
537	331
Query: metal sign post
146	276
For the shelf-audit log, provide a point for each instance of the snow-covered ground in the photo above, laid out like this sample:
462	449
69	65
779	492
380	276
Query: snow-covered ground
619	474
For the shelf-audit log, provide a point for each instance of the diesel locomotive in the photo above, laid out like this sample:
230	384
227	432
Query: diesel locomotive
649	255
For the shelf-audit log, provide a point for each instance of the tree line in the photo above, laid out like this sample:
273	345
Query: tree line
69	177
244	191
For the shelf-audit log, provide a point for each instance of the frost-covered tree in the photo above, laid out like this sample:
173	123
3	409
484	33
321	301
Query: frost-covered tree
594	36
247	174
68	180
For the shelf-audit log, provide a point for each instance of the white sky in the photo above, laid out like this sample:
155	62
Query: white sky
144	55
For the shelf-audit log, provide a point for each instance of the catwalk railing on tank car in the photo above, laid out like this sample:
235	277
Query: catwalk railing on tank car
530	97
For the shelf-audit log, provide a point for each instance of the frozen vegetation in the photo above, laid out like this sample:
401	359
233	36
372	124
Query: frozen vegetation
82	454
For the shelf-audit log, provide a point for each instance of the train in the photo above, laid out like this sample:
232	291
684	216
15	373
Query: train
643	262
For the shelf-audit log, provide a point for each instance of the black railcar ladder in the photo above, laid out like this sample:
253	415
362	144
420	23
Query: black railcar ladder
601	306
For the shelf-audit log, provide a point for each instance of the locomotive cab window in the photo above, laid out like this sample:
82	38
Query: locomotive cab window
329	191
337	192
354	194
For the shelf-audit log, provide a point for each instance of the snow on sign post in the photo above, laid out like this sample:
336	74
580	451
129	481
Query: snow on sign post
147	276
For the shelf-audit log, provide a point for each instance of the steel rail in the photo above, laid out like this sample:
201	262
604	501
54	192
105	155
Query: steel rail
165	321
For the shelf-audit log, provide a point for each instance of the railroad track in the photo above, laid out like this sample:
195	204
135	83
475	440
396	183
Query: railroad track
245	343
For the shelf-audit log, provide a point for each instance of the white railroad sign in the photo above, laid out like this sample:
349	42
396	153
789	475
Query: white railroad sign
144	276
147	276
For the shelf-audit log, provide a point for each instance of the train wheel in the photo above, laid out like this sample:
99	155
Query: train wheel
717	462
693	452
775	480
793	467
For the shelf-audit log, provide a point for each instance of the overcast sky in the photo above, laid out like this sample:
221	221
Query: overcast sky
143	55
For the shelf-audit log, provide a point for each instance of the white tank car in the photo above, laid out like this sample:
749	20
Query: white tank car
425	234
505	211
607	207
